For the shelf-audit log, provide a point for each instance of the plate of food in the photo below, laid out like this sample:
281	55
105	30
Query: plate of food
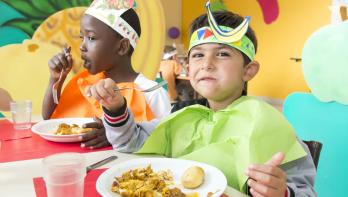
62	129
161	177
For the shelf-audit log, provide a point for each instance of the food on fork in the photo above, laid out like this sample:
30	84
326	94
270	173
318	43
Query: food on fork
66	129
145	182
193	177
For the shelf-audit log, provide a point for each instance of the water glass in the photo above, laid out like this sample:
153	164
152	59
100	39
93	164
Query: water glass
64	174
21	114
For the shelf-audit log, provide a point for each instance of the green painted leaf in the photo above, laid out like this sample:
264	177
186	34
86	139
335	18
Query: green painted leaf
28	26
61	5
79	3
26	8
44	6
36	11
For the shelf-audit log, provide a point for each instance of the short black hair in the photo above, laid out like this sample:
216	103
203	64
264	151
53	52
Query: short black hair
228	19
131	17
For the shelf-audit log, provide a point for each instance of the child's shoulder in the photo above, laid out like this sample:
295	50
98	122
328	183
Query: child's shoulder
250	100
143	83
252	105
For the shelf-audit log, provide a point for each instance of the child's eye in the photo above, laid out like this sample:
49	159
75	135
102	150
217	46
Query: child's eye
91	38
223	54
196	55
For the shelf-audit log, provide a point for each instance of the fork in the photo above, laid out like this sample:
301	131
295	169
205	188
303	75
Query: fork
56	84
160	84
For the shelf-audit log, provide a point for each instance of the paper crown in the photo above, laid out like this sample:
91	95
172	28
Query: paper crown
214	33
110	11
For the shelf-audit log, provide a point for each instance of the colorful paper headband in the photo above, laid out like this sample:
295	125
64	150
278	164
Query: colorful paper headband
224	35
109	12
229	35
205	35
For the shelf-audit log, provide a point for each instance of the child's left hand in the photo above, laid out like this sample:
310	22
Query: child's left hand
96	138
267	180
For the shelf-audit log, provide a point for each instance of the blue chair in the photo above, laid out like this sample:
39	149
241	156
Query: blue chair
328	124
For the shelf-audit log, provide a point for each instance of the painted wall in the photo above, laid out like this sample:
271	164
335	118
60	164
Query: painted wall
48	26
277	42
172	13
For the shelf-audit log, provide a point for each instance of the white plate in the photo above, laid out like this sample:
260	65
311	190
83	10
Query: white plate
214	180
46	129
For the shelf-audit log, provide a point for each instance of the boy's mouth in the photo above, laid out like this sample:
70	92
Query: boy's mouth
86	63
206	79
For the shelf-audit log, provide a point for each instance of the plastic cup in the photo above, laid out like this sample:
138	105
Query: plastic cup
21	114
64	174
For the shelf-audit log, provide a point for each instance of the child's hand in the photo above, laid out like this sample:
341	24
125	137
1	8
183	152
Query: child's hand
104	93
61	61
267	180
96	138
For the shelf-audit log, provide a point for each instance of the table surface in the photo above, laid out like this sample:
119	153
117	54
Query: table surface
16	178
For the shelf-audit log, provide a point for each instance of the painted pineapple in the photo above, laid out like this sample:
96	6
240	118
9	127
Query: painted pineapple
63	29
51	21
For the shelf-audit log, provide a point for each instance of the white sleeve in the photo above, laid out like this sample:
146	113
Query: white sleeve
159	103
158	100
125	135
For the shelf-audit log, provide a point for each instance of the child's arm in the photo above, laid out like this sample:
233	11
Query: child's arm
123	133
120	128
5	99
60	63
300	175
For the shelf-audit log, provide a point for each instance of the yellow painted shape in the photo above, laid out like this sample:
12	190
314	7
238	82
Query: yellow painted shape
24	70
63	29
277	42
148	54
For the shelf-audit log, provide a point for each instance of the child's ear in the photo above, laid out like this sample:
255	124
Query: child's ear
124	47
251	70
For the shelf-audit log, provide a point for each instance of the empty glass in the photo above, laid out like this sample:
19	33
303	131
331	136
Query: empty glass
21	114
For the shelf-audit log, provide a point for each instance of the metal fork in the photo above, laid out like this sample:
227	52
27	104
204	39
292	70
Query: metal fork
160	84
56	84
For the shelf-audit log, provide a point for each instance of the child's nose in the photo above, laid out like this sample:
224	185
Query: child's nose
208	64
83	46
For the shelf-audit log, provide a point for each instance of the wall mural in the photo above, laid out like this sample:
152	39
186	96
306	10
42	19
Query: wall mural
322	114
270	10
20	19
32	31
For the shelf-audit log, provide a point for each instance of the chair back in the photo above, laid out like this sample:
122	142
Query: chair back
315	148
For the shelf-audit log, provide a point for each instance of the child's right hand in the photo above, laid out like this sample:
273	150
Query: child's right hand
61	61
104	93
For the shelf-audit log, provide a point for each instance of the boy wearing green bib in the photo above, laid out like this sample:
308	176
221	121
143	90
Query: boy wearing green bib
247	139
